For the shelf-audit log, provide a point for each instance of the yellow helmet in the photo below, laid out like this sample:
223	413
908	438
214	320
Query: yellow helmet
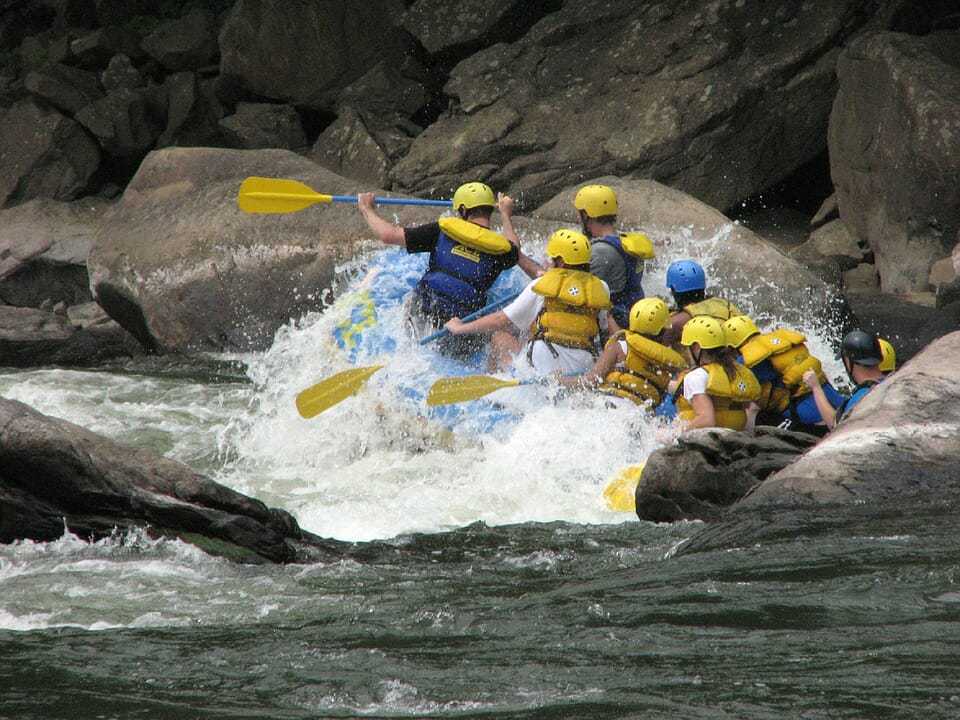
473	194
703	329
648	316
570	246
596	201
738	329
889	355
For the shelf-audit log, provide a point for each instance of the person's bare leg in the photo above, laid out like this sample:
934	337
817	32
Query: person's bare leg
503	346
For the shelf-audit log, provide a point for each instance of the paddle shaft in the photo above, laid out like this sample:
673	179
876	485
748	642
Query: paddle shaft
492	307
392	201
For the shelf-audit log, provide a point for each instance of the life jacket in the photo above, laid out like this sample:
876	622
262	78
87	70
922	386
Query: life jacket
790	359
714	307
633	249
572	299
462	267
730	397
859	392
647	369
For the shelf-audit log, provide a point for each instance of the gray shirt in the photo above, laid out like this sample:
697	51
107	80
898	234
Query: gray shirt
606	264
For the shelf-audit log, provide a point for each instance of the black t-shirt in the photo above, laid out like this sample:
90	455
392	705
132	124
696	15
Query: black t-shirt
423	238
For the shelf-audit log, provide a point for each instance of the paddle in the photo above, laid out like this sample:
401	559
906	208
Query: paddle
336	388
621	492
452	390
442	332
275	195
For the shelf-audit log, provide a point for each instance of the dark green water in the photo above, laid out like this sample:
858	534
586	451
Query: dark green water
529	621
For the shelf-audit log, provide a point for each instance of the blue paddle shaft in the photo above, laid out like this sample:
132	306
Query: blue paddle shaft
392	201
492	307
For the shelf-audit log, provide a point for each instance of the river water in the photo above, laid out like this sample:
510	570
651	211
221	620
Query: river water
486	577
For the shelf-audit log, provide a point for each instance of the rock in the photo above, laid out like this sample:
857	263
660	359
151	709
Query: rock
895	150
121	123
44	246
829	210
830	246
347	148
31	337
305	52
942	272
948	293
178	264
43	154
121	75
68	89
862	278
441	25
902	440
384	92
733	256
192	115
258	125
53	473
706	471
720	100
118	12
186	43
95	49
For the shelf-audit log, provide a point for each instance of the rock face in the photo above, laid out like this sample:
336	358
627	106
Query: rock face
717	99
182	268
895	151
902	440
740	266
53	472
707	471
440	25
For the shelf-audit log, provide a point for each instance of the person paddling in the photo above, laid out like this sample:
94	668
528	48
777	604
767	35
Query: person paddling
861	355
617	258
717	392
688	284
558	315
779	359
466	258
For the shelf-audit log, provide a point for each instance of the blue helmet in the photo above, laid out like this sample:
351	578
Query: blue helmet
685	276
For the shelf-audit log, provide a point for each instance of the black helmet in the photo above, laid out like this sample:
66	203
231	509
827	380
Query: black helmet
861	348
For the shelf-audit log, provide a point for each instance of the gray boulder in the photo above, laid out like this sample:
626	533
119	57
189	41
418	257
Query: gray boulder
895	151
122	123
720	100
68	89
306	52
348	148
901	441
120	73
43	154
181	267
441	25
260	125
187	43
53	472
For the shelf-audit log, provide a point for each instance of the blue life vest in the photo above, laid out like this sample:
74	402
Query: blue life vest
457	279
632	291
859	393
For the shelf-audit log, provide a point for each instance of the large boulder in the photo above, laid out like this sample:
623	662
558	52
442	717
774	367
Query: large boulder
441	25
122	123
263	125
53	472
720	100
902	440
741	266
306	52
43	154
185	43
895	150
181	267
68	89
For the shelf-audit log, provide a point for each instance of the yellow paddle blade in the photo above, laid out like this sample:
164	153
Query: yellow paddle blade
447	391
621	492
275	195
336	388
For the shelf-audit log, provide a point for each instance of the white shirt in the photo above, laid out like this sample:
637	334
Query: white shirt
695	383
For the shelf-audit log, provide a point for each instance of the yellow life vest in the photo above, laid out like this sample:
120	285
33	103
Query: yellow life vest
572	299
714	307
637	244
730	397
788	354
474	236
648	368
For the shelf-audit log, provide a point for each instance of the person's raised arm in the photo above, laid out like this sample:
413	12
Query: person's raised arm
386	231
530	266
827	412
486	324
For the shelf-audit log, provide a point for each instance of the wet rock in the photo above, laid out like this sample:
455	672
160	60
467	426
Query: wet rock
305	52
895	150
901	441
121	74
186	43
44	246
54	472
178	264
441	25
720	100
121	123
707	471
260	125
43	154
68	89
